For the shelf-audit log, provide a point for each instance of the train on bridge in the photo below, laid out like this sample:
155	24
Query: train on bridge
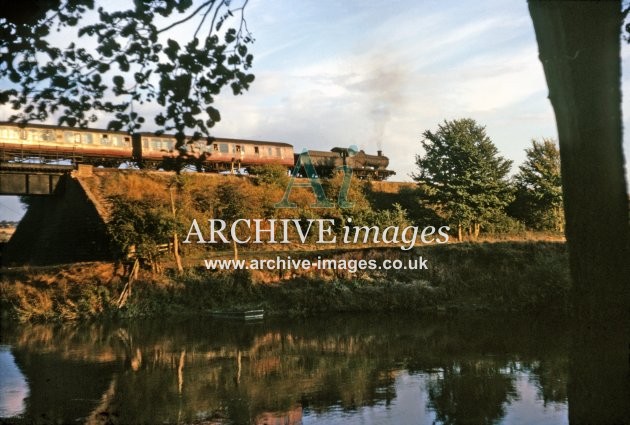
149	150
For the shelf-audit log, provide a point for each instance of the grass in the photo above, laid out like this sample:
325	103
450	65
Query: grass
524	277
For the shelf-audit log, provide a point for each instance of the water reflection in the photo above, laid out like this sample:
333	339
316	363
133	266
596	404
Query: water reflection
339	369
13	386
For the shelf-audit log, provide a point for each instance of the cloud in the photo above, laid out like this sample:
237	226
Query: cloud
377	74
409	73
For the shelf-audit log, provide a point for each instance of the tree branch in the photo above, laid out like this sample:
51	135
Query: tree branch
192	15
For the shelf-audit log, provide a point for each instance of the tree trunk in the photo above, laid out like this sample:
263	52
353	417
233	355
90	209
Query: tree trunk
579	45
178	260
180	160
459	232
580	51
558	220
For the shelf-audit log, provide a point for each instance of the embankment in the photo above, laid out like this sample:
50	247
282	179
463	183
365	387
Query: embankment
519	277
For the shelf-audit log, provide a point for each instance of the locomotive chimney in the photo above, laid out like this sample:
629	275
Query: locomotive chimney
379	153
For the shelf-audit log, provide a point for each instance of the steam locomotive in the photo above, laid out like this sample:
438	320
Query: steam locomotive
112	148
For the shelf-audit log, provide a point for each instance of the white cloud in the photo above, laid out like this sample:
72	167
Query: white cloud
407	75
335	73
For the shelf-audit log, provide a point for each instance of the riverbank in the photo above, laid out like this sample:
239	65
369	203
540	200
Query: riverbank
515	277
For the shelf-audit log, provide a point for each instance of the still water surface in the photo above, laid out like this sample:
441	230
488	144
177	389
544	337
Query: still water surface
327	370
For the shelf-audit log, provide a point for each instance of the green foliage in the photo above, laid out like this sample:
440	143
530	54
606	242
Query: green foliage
135	62
271	174
497	277
357	195
504	224
382	219
141	227
231	203
539	188
462	173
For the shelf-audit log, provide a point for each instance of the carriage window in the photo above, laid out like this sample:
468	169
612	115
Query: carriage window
170	145
155	144
269	152
278	152
104	139
87	138
77	138
224	147
215	147
238	148
47	136
145	143
116	141
67	136
256	150
23	134
9	133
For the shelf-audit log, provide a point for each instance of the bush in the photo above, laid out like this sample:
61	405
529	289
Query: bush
272	174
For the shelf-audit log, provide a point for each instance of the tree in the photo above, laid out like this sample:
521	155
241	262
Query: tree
137	60
579	47
463	174
471	391
272	174
230	206
139	228
539	188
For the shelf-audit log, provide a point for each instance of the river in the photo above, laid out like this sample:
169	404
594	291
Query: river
350	369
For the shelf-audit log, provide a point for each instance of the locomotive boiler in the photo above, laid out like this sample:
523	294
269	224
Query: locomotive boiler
364	166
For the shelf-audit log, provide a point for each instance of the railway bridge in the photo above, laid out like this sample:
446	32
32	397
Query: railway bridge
65	221
22	178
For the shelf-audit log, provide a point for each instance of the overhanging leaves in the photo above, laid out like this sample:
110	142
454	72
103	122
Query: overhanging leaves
136	62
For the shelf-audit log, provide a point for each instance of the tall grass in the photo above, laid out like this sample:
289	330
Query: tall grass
518	277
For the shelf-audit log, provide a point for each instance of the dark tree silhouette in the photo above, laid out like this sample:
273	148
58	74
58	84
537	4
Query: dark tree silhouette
117	59
579	45
471	392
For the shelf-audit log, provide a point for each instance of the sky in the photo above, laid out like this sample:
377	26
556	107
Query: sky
377	74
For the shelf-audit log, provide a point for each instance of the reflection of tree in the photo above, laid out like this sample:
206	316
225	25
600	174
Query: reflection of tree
471	392
189	371
551	376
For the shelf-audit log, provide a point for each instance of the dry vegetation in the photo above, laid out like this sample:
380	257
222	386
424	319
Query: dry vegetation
499	277
138	199
506	276
6	233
